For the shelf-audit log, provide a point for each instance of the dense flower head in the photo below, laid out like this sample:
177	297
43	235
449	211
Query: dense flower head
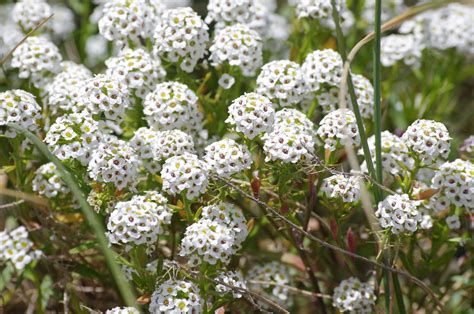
467	146
354	296
282	81
403	47
106	98
322	67
328	99
399	213
316	9
122	310
208	241
390	8
74	136
185	173
339	128
396	158
62	23
176	296
37	59
288	144
271	272
173	105
230	12
139	221
61	94
230	216
345	188
29	13
428	139
125	21
172	143
114	162
17	248
20	107
364	92
455	181
181	37
48	183
293	118
226	157
143	143
239	46
137	69
231	281
251	114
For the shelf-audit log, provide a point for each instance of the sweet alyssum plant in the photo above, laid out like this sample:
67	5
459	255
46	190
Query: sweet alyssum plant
207	146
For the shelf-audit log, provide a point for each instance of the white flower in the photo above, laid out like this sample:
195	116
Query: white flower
230	12
234	279
339	128
48	183
396	48
346	188
20	107
226	157
185	173
122	310
226	81
428	140
181	37
294	119
287	144
238	46
322	68
282	81
251	114
453	222
272	272
172	143
354	296
144	142
177	297
29	13
17	248
398	213
63	21
390	8
316	9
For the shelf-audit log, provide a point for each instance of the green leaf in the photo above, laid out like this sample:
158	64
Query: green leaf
6	276
46	291
83	247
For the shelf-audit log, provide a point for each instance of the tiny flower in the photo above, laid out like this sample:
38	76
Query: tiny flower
354	296
226	157
122	310
271	272
339	128
453	222
231	281
346	188
226	81
398	213
176	296
20	107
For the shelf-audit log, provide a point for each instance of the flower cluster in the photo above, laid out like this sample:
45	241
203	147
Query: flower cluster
339	128
173	105
176	296
237	46
37	59
354	296
143	143
139	221
172	143
17	248
272	272
345	188
181	37
226	157
231	281
322	68
402	47
316	9
428	139
399	213
48	183
20	107
229	12
137	70
251	114
364	92
29	13
185	173
122	310
74	136
114	162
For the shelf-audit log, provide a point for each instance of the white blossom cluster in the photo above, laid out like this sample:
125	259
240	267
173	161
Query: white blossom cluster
37	59
128	21
322	68
181	37
251	114
230	12
396	159
48	183
345	188
114	162
231	281
137	70
143	143
139	221
238	46
339	128
185	173
390	9
172	143
29	13
61	94
74	136
173	105
455	182
292	137
316	9
354	296
282	82
122	310
226	157
428	140
400	47
467	146
62	23
176	296
399	213
20	107
17	248
272	272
